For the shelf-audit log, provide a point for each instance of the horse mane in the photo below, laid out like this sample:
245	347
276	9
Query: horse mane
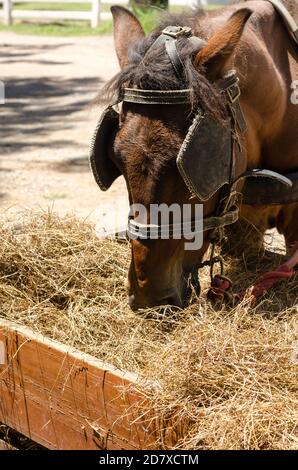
158	74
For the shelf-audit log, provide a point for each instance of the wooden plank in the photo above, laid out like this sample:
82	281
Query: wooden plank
64	399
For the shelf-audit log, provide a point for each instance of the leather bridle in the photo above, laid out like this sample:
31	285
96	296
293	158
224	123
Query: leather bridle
227	212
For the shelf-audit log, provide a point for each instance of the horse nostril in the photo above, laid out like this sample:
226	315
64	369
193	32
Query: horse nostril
132	302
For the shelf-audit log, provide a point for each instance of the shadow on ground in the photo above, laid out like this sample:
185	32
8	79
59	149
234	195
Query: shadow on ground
21	53
71	165
35	108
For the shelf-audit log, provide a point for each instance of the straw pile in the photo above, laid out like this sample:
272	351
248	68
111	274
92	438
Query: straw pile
227	378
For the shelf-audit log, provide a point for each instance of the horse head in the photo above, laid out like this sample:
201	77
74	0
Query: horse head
169	85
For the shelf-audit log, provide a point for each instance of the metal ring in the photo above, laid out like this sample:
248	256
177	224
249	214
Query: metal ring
216	259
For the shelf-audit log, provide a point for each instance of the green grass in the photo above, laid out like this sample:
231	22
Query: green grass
61	28
53	6
78	6
149	18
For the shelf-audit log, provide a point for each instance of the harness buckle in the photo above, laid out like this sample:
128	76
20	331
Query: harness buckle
234	92
177	31
229	201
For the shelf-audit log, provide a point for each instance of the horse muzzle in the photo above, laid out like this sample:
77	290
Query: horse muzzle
172	298
179	296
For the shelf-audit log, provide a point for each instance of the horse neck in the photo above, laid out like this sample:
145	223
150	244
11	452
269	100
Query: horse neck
264	95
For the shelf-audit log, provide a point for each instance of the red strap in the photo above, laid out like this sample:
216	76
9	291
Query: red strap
269	279
221	286
285	271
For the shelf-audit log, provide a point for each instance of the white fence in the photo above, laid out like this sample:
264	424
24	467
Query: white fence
9	13
94	15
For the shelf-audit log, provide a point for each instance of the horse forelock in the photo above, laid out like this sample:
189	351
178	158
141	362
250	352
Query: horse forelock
153	70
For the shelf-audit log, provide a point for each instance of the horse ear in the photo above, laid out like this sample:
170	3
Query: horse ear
127	30
221	45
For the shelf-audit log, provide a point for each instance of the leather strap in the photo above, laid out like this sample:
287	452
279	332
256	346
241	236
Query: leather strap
287	17
134	95
171	34
267	174
150	231
171	48
169	37
261	189
230	84
228	194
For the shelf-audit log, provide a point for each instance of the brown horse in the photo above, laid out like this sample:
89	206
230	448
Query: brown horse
249	37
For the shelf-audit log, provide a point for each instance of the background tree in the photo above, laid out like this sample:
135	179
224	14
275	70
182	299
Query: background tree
147	3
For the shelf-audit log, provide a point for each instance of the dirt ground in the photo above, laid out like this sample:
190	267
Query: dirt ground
46	124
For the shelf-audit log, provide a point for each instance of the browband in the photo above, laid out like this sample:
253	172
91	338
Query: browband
134	95
168	38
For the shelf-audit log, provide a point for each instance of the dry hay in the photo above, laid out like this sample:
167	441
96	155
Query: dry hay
227	378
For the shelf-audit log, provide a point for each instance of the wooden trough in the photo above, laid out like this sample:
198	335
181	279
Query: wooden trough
64	399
